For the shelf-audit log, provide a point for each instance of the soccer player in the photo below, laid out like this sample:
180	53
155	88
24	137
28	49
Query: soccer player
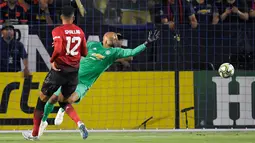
99	58
69	45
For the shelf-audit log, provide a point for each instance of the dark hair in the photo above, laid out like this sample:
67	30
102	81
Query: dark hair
67	11
7	25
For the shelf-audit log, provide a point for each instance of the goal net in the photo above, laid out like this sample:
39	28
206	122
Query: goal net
173	84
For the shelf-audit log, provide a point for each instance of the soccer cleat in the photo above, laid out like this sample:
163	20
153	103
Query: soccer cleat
42	127
28	136
60	117
83	130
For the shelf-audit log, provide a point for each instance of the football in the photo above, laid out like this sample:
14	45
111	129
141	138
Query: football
226	70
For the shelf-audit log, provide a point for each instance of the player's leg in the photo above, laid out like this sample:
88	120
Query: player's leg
60	115
48	108
62	79
67	89
38	114
76	97
49	86
65	78
67	107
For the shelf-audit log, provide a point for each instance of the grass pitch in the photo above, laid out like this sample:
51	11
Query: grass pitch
170	137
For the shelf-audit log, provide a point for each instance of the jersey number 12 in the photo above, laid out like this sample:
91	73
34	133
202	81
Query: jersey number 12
73	51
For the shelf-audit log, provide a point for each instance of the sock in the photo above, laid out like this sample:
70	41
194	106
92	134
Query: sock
72	113
38	113
47	110
63	105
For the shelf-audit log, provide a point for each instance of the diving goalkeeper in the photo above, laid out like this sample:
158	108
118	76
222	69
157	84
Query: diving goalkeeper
100	58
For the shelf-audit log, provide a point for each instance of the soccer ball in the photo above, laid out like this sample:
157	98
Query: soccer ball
226	70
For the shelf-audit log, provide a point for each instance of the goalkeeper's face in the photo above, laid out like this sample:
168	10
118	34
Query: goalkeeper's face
118	43
111	39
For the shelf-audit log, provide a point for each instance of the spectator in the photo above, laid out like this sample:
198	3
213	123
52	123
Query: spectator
135	11
55	7
39	12
234	10
27	3
112	13
12	11
206	12
12	51
252	9
178	12
101	5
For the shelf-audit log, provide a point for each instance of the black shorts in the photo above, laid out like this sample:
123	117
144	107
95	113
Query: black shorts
55	79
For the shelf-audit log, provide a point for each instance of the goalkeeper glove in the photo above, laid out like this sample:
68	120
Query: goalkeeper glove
153	36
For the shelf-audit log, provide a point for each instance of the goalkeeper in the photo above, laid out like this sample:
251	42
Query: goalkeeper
100	58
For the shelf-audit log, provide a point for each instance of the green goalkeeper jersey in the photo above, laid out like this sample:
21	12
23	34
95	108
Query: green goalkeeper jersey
100	59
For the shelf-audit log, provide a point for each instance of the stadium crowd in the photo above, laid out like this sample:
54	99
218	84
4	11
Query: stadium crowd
130	11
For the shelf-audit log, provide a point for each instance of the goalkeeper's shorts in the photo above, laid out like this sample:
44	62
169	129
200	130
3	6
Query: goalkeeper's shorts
81	90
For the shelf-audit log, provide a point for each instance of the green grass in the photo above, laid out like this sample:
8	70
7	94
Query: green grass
171	137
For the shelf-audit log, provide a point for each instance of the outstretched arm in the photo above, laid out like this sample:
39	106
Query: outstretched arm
124	53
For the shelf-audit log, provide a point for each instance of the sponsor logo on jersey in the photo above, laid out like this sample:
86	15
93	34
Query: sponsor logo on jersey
98	56
107	52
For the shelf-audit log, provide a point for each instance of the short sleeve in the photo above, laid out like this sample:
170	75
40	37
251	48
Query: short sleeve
22	51
56	35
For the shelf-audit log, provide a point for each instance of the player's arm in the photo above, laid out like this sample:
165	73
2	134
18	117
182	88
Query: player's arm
243	14
57	43
84	50
215	14
124	53
24	56
191	12
124	60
